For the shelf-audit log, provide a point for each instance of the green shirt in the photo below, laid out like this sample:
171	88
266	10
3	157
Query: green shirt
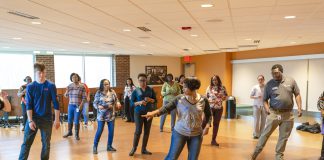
169	92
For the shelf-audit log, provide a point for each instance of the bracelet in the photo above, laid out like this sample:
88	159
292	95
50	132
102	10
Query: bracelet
30	121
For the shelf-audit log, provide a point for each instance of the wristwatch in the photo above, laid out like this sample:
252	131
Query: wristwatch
30	121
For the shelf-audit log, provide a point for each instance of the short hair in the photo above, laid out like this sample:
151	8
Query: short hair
1	104
192	83
169	75
142	75
38	66
279	66
260	76
72	74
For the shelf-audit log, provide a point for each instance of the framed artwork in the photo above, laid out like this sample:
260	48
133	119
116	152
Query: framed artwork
155	74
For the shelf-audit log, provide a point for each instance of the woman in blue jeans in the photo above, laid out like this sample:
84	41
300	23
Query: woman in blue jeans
191	108
106	102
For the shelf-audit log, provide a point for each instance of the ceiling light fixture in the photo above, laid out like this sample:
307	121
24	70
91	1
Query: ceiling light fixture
86	42
36	52
194	35
293	42
206	5
143	45
126	30
36	22
290	17
248	39
17	38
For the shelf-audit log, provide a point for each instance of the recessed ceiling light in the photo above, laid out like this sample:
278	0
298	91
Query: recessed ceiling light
143	45
16	38
206	5
248	39
36	22
5	47
126	30
293	42
86	42
194	35
290	17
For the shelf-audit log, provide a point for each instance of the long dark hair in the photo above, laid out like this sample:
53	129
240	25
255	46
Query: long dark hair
180	77
132	84
218	80
101	86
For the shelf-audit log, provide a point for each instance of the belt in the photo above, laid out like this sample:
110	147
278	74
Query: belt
281	110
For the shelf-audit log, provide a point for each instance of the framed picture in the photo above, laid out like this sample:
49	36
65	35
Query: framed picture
155	74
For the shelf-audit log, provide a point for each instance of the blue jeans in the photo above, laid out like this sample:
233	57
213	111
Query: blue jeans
45	127
163	117
85	112
24	113
178	141
73	115
101	126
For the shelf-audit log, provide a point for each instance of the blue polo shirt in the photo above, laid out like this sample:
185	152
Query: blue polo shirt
139	95
39	97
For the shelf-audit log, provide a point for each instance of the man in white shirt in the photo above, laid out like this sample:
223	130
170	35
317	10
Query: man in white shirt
259	112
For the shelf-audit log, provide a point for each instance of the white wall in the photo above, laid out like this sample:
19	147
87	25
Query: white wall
138	63
244	77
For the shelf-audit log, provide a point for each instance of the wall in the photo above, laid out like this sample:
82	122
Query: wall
138	63
48	60
122	69
213	64
316	48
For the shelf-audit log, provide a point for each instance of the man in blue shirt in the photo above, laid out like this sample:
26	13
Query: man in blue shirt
39	95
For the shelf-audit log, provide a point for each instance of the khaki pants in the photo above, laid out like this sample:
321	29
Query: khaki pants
285	121
259	115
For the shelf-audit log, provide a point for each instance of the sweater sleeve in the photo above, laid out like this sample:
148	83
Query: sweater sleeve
169	106
54	98
207	112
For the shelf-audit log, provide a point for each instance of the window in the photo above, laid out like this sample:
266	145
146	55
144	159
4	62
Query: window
91	69
96	69
14	68
64	66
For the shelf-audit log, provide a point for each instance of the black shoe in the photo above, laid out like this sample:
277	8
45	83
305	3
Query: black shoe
110	148
131	153
77	129
69	133
146	152
255	137
214	143
94	150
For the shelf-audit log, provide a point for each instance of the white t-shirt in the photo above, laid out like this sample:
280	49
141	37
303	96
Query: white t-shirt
257	91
